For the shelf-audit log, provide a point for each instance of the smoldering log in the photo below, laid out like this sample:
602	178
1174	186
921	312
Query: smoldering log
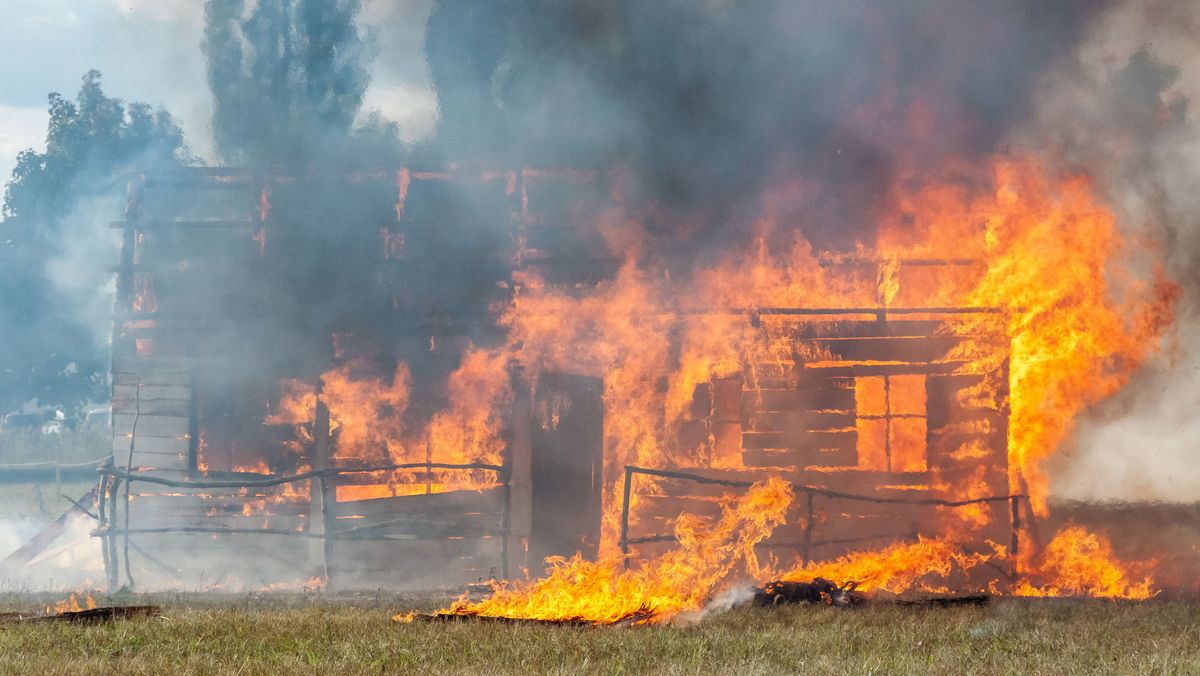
90	616
820	592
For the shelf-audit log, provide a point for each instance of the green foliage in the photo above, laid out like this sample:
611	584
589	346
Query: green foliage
288	81
93	145
87	142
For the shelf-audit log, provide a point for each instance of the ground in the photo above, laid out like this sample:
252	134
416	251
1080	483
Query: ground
286	633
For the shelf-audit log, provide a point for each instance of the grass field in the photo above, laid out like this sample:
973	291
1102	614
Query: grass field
320	634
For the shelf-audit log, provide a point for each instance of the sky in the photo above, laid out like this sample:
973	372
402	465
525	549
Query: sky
149	50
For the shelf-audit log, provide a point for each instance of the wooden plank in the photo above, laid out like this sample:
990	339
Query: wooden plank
860	482
148	365
858	369
130	392
157	460
152	378
167	445
909	349
814	394
193	503
150	425
833	519
767	370
855	329
800	458
419	527
453	503
799	421
159	407
727	399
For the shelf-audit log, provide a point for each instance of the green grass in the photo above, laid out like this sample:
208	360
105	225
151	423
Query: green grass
320	634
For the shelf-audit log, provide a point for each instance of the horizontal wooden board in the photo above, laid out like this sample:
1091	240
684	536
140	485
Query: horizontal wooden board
853	329
799	458
148	378
131	392
143	444
450	504
148	365
175	461
909	349
854	481
165	407
798	420
150	425
859	370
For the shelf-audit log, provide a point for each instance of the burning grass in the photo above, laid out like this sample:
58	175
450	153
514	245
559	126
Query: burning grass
293	633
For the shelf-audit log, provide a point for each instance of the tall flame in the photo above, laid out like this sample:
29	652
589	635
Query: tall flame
1081	563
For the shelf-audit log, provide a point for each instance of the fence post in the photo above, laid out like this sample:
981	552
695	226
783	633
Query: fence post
102	517
114	572
321	499
625	515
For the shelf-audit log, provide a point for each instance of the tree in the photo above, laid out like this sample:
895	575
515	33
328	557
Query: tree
288	81
49	352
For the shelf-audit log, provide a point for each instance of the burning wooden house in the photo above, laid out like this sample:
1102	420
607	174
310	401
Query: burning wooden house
344	389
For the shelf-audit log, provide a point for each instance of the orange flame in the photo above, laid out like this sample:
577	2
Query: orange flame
1080	563
72	605
923	566
605	592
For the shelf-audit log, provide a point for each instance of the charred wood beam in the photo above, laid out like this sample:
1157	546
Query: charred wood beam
649	539
879	312
91	616
321	490
946	601
666	474
78	505
488	619
47	535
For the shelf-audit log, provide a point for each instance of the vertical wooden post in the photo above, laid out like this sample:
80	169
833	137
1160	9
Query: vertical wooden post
520	488
193	459
505	522
625	514
1016	534
102	522
322	495
113	487
428	461
806	554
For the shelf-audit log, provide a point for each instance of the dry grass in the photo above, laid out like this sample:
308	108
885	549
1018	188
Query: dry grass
315	634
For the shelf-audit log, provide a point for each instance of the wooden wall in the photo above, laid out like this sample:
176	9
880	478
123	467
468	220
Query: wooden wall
803	419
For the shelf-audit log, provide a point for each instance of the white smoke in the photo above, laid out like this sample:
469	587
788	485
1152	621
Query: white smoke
1124	109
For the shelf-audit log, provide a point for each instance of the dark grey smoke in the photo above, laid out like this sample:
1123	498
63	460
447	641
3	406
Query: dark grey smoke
712	101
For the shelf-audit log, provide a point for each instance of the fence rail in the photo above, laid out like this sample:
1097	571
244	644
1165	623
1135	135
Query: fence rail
112	477
811	492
